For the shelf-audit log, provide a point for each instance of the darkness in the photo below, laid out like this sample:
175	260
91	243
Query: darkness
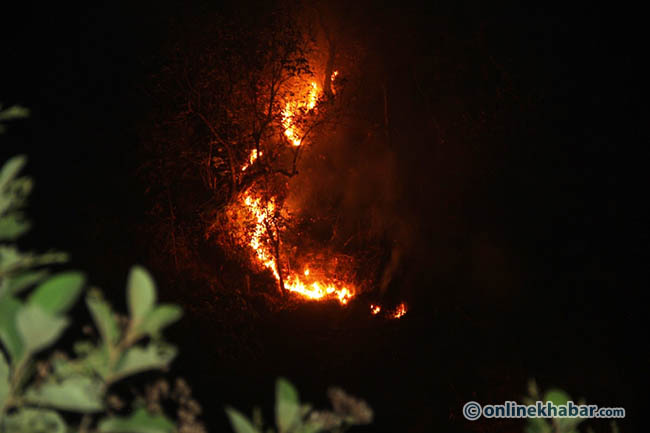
527	255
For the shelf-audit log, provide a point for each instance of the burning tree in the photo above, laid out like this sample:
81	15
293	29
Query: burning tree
250	101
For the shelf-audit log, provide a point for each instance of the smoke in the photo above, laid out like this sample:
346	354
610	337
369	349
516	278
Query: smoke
350	190
357	188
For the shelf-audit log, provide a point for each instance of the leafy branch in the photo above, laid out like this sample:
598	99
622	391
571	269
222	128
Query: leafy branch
292	416
34	308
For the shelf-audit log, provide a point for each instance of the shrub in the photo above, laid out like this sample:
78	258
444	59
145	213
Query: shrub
38	396
292	416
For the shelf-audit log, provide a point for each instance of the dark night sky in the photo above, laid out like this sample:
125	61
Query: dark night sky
557	192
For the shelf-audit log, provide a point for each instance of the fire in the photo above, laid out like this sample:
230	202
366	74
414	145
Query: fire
251	159
317	289
400	311
314	282
304	285
261	214
294	109
309	285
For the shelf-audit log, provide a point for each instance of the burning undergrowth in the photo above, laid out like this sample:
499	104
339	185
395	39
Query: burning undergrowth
274	241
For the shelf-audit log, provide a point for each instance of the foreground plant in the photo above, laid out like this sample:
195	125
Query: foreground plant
291	416
554	425
70	393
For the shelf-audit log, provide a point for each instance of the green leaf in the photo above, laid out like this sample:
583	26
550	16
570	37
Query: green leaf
140	421
27	420
4	379
77	393
99	361
556	396
13	261
10	258
287	405
159	318
63	368
12	227
138	359
239	422
57	294
14	112
10	170
38	328
9	335
141	292
24	280
103	317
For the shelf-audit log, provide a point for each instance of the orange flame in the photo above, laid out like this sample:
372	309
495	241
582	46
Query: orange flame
308	285
261	214
251	159
304	285
294	108
400	311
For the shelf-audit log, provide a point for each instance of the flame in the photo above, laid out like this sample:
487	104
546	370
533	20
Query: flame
251	159
294	108
313	282
400	311
309	285
304	285
261	214
317	289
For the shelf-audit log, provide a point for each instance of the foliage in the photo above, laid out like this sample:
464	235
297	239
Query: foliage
553	425
11	113
38	396
292	416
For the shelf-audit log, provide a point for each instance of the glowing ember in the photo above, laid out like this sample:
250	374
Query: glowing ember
375	309
401	311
